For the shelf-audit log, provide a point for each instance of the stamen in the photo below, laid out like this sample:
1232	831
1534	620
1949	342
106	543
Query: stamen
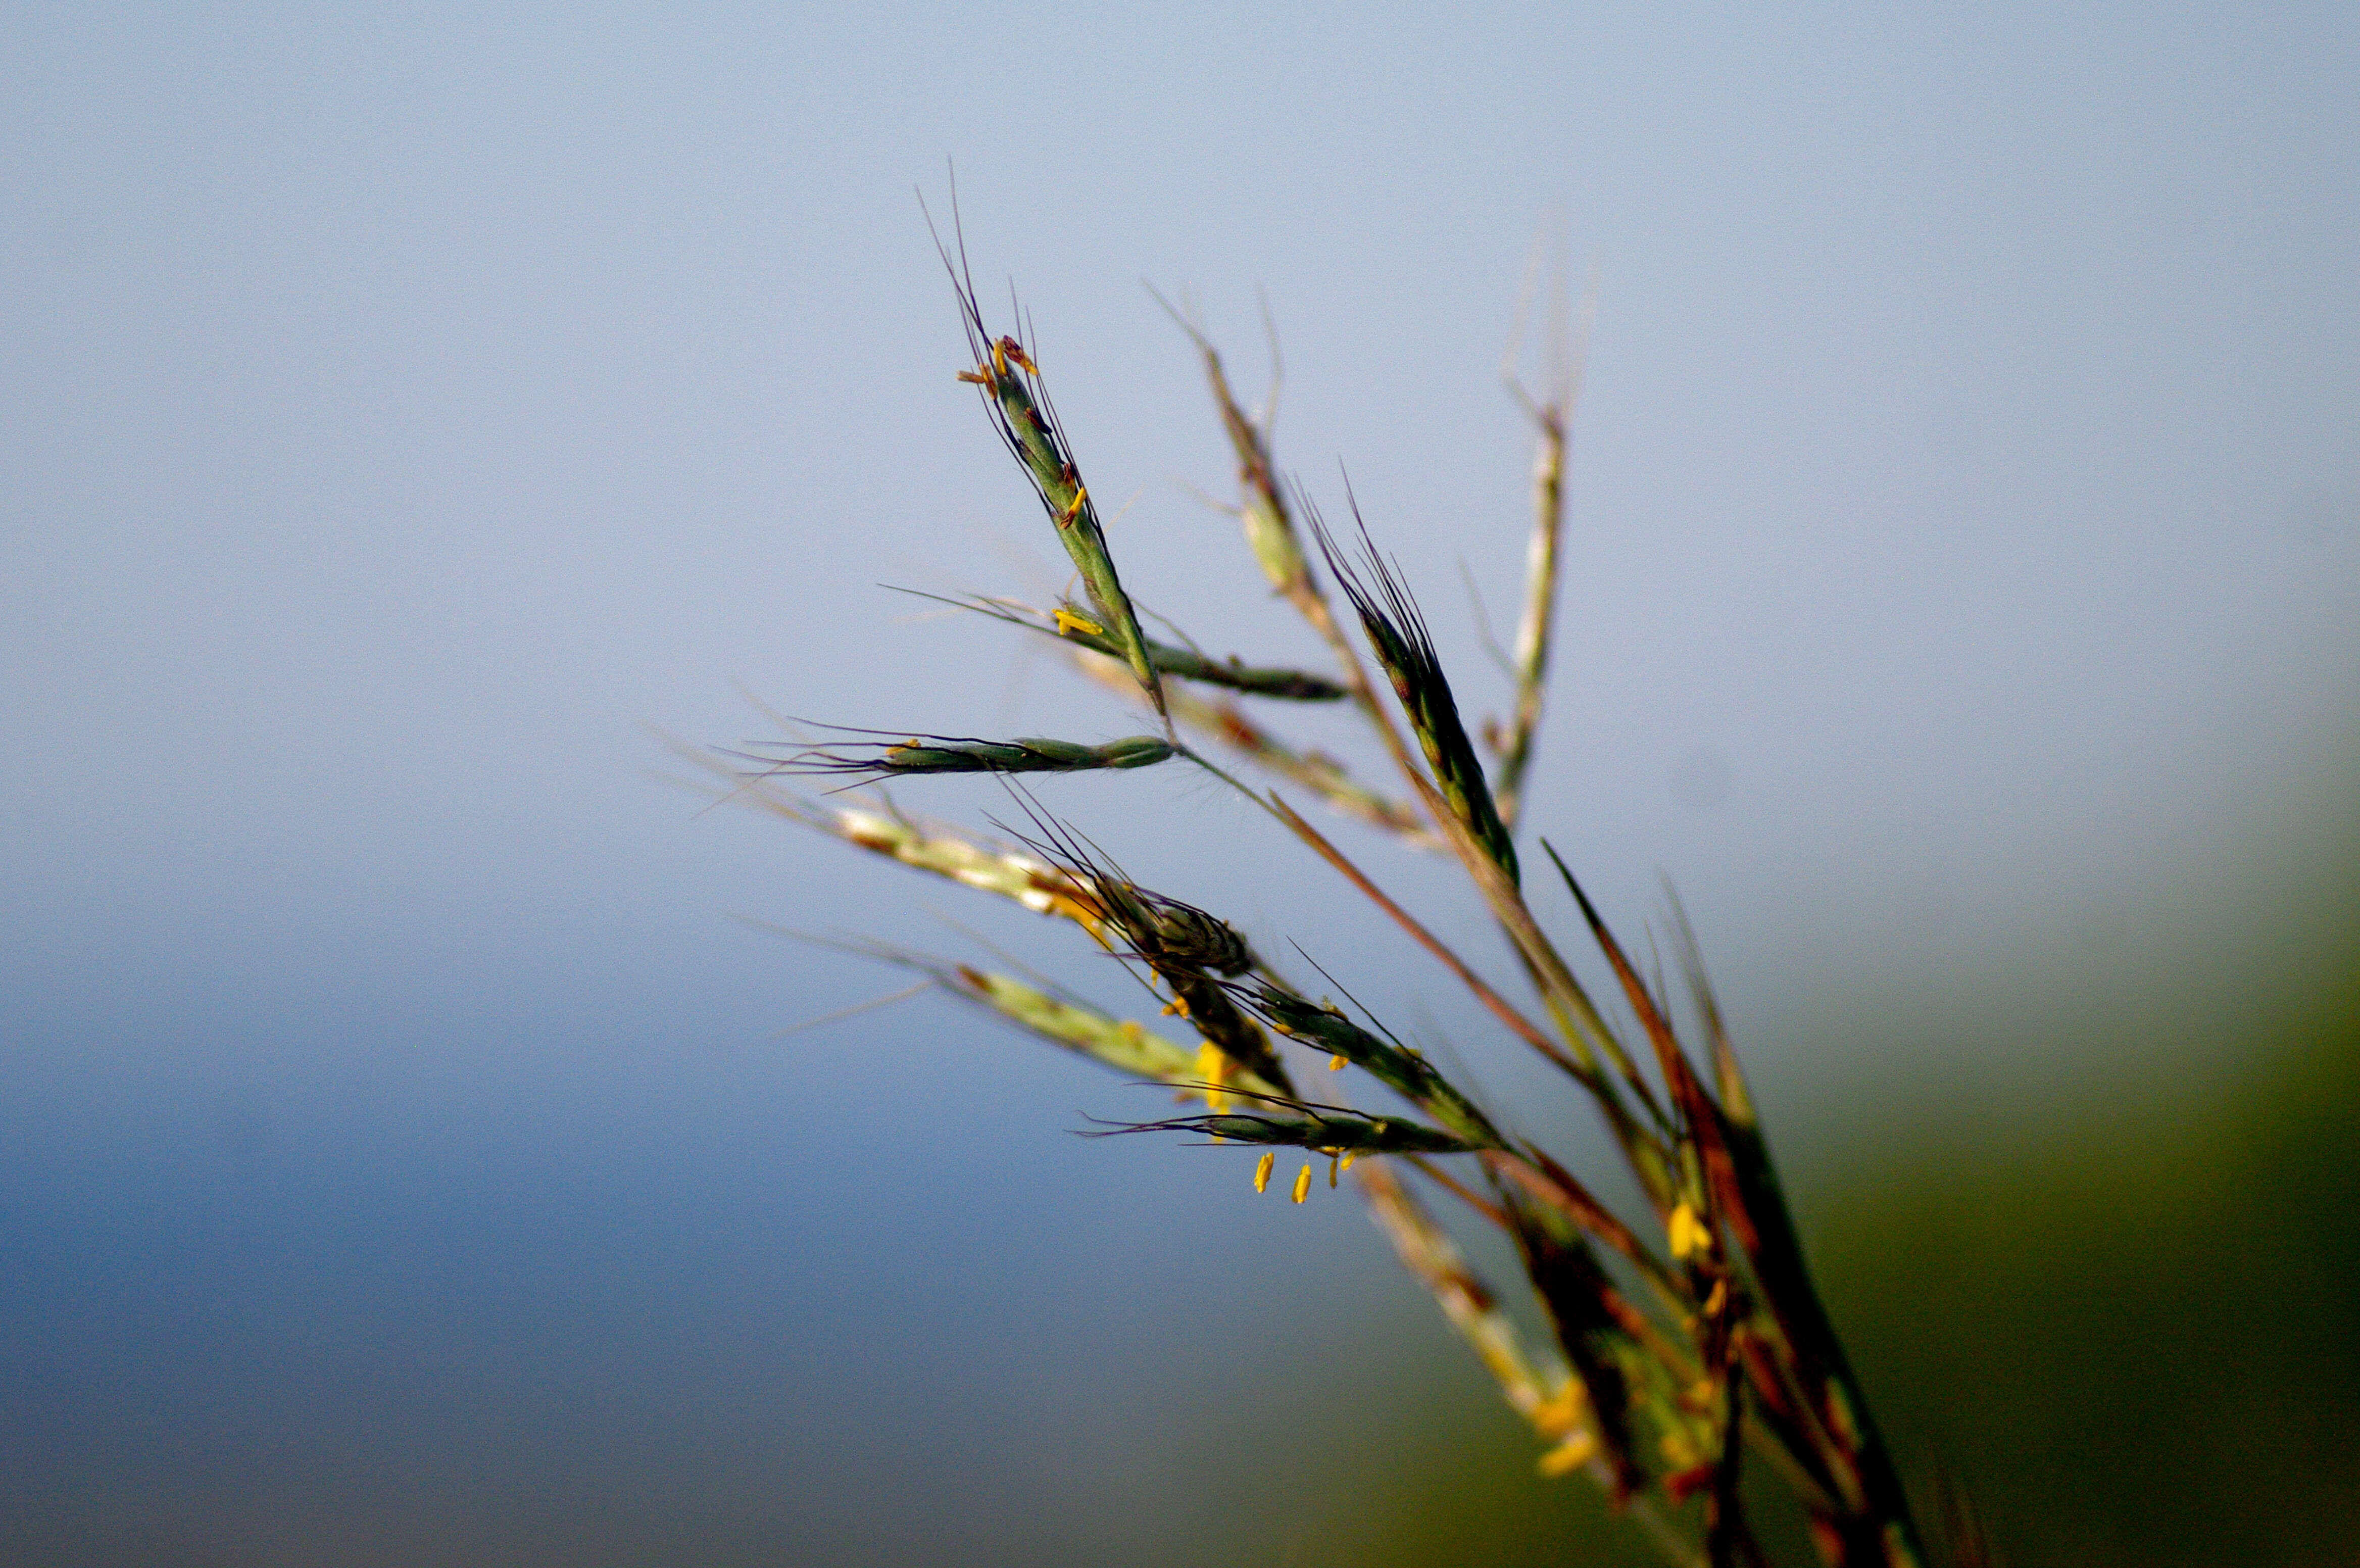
1261	1169
1687	1233
1303	1184
1571	1454
1067	621
1213	1067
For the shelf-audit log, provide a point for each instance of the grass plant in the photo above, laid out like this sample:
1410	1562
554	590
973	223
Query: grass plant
1688	1343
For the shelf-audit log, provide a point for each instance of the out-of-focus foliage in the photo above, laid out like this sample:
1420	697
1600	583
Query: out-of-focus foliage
2134	1344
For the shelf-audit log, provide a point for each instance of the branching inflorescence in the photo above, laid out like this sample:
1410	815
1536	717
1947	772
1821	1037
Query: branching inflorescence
1683	1343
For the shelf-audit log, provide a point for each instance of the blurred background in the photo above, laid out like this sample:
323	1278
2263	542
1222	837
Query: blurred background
414	416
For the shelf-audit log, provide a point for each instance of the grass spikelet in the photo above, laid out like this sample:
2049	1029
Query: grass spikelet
1397	633
1268	516
1192	951
1070	625
1550	413
1396	1067
1027	423
867	763
1187	664
1471	1305
1032	882
1326	1128
1122	1044
1269	527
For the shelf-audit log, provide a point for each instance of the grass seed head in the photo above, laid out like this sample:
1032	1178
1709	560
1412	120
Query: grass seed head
1027	423
1188	949
1035	884
1328	1129
1270	531
868	762
1404	1071
1397	633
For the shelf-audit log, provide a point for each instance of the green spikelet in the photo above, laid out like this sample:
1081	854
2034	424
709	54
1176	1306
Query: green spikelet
965	754
1397	633
1027	423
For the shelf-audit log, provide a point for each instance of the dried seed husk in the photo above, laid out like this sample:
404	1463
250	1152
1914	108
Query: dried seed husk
1573	1286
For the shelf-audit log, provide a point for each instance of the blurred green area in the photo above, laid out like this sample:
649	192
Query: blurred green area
2133	1341
2117	1306
2134	1344
2090	1222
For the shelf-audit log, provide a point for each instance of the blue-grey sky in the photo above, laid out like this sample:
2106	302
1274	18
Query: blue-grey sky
406	409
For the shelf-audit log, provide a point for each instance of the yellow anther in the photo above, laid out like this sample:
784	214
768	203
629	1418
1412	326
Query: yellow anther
1008	349
1081	494
1213	1067
1337	1064
1175	1006
979	378
1718	1299
1303	1184
999	358
1687	1233
1261	1169
1067	622
1559	1416
1349	1158
1571	1454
